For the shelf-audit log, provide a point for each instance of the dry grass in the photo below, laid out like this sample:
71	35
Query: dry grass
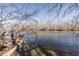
5	45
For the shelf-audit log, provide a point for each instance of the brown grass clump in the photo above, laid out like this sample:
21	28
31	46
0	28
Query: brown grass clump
5	45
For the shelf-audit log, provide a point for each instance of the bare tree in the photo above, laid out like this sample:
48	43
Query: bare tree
57	8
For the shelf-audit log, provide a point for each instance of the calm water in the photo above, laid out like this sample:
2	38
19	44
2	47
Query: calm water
65	41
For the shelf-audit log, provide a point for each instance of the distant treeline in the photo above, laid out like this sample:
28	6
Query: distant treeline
58	29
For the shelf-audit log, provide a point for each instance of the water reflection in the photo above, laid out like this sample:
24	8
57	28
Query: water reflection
65	41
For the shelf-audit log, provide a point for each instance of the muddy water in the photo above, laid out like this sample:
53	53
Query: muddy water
64	41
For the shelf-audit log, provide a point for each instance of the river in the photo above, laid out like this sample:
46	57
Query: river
63	40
